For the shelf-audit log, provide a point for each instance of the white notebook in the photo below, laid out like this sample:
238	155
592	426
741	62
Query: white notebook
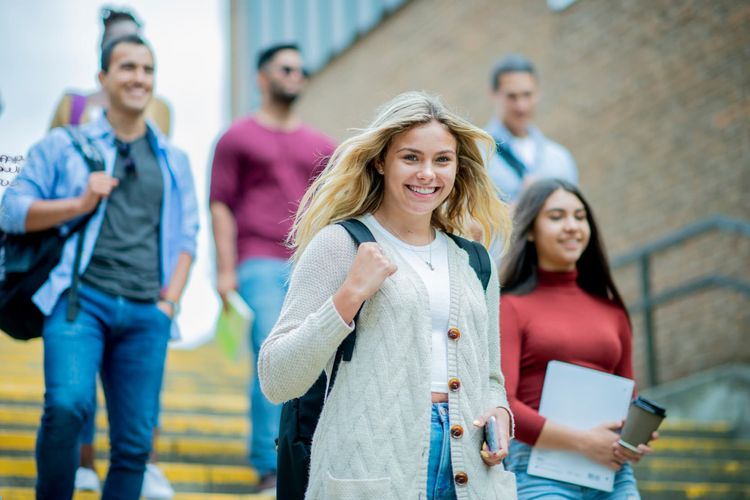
581	398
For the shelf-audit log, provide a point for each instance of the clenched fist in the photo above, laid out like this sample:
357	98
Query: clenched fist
368	272
100	185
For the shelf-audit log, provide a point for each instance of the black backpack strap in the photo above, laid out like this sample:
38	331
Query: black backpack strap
479	259
360	234
514	163
87	149
95	162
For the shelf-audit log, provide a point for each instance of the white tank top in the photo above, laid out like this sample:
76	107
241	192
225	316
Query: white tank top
437	283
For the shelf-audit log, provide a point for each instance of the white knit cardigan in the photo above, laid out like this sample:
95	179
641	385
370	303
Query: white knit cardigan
372	439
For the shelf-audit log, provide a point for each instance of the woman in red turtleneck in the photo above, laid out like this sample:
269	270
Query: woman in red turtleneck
560	303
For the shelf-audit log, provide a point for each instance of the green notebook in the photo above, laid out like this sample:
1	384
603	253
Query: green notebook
233	327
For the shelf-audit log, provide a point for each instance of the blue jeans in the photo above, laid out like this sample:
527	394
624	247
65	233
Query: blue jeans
89	425
263	284
534	487
440	484
125	342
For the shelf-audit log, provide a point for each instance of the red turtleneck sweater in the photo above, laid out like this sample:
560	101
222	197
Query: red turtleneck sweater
557	321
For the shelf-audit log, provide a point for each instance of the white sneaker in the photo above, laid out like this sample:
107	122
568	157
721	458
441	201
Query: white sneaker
155	484
87	480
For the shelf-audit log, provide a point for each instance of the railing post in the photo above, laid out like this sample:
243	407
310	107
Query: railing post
648	320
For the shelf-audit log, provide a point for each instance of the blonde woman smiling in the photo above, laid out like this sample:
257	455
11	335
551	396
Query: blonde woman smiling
404	418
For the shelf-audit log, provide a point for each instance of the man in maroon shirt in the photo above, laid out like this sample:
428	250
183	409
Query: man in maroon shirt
262	166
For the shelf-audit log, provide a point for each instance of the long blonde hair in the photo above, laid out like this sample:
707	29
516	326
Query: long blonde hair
349	186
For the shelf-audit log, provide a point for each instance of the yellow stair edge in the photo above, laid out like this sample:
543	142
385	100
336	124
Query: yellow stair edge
179	445
192	358
698	444
719	426
693	490
175	472
194	445
727	466
228	402
169	422
28	494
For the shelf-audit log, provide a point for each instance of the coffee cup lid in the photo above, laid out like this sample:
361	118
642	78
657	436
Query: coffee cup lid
650	406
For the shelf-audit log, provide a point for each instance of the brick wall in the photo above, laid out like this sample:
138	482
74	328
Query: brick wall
651	97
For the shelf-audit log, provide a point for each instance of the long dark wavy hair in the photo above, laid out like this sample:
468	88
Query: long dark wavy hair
519	270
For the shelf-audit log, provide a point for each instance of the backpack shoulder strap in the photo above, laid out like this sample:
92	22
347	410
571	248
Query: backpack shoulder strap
95	162
479	259
360	234
513	162
86	148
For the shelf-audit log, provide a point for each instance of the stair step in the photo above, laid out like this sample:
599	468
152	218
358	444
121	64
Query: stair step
192	401
28	494
193	360
680	490
33	387
184	477
27	417
701	447
203	448
703	470
170	448
693	428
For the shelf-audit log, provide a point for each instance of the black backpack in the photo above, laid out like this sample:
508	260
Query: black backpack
27	259
299	417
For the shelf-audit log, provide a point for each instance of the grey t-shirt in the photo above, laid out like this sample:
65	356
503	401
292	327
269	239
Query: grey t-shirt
126	258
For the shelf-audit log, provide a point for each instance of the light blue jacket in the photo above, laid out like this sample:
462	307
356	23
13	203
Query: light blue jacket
54	170
551	161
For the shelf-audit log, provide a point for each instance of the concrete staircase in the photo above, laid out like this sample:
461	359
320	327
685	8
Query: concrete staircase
695	460
204	428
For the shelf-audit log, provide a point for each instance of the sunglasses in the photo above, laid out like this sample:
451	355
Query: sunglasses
123	150
288	70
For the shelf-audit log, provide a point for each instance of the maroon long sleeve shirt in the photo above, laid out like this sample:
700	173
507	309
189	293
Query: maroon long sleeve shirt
261	175
557	321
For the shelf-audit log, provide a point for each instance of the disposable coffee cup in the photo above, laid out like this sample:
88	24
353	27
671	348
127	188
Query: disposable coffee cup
644	417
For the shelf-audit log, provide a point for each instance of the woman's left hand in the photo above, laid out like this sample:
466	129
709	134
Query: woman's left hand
502	429
623	454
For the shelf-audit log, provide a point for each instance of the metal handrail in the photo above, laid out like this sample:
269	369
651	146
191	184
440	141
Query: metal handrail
714	222
649	301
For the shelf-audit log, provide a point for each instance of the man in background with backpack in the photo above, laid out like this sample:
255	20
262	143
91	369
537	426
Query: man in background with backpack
76	108
134	259
522	154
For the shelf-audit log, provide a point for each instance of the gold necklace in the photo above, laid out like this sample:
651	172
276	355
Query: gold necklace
428	263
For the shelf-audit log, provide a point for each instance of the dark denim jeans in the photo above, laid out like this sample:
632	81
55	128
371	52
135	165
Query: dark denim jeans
263	284
126	342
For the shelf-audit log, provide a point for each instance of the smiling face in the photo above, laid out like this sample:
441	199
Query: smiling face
419	170
561	232
515	99
129	80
